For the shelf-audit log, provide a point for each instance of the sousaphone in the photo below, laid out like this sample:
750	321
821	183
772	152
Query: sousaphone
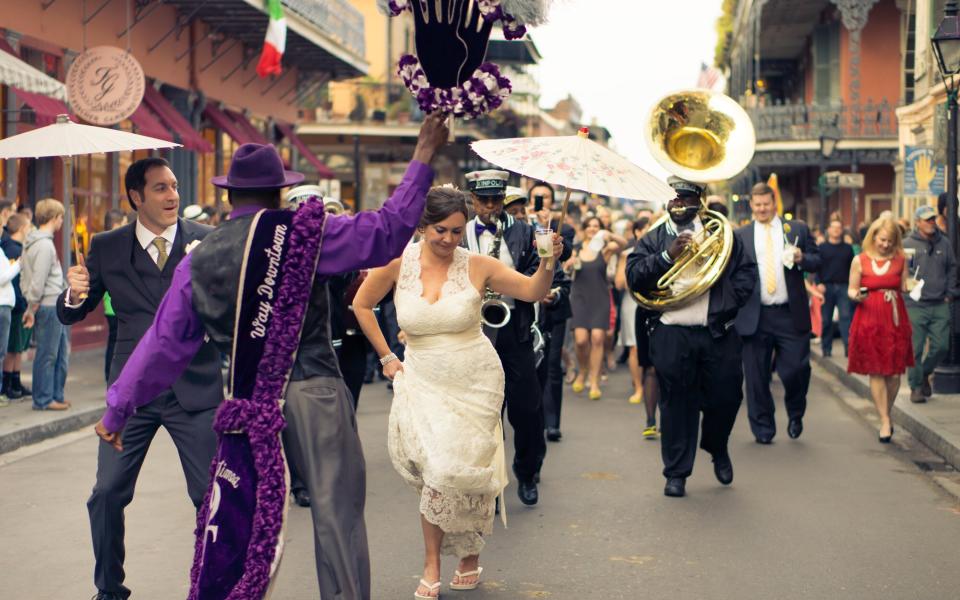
701	136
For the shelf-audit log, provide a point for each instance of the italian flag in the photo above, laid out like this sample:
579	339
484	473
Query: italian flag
275	42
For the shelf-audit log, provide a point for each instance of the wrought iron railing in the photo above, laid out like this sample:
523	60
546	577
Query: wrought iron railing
337	18
799	122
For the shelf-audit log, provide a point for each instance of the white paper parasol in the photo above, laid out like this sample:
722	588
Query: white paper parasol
575	162
68	139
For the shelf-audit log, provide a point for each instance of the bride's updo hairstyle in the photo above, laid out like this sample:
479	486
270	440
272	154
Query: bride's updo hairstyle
442	202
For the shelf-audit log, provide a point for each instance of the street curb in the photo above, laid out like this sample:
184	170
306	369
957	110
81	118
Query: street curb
31	435
920	427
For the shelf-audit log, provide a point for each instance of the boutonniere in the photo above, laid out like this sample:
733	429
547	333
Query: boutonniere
191	246
786	227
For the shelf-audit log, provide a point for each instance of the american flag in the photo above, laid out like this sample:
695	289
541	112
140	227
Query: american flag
711	79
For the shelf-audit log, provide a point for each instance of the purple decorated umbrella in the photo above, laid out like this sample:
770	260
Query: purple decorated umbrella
449	74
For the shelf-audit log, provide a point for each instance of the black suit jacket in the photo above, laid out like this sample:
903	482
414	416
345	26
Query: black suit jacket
646	265
749	316
519	239
110	263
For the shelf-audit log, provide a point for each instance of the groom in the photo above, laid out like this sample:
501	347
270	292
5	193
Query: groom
513	342
202	301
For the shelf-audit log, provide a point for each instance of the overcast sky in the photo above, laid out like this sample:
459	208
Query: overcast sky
618	57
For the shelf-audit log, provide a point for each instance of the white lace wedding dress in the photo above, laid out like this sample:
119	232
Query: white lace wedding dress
445	436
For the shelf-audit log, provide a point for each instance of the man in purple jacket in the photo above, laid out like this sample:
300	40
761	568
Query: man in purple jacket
202	301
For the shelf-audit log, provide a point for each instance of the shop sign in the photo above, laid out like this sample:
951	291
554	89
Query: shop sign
105	85
922	175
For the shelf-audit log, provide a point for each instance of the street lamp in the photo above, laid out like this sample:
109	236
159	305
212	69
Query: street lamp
946	48
829	138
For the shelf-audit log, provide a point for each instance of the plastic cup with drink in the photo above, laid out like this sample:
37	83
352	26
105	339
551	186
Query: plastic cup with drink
544	237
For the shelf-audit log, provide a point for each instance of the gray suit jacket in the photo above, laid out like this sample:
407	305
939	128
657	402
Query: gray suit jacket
110	262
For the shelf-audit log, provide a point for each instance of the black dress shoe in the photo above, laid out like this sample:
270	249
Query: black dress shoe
765	439
723	468
527	491
536	478
795	428
301	497
553	434
676	487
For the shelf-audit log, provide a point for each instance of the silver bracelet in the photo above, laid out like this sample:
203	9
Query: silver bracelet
388	359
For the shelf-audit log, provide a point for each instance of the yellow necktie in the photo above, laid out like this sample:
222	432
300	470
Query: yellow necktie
770	268
161	246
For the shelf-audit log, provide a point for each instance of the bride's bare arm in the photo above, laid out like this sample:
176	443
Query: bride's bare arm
377	284
510	283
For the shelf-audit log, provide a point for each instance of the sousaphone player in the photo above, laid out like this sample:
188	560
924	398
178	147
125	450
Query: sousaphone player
693	273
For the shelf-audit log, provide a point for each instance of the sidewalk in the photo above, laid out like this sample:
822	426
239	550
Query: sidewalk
21	425
935	423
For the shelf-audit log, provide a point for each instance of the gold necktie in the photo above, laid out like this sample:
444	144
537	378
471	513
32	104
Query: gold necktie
161	245
770	268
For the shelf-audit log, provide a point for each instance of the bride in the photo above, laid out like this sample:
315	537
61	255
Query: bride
445	436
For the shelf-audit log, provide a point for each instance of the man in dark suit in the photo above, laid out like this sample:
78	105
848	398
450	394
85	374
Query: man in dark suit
492	232
555	311
776	318
135	264
693	347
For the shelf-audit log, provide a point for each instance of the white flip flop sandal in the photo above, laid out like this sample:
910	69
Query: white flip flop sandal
429	586
463	587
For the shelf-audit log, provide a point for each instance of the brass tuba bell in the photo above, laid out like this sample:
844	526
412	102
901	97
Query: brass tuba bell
700	136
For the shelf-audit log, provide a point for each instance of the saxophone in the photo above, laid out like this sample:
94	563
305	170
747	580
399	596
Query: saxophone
494	312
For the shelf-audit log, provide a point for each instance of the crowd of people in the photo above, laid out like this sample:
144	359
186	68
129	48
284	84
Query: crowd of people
472	304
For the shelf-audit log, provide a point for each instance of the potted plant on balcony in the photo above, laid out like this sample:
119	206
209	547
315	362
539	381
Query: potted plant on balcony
399	111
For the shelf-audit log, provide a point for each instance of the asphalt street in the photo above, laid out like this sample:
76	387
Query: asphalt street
831	515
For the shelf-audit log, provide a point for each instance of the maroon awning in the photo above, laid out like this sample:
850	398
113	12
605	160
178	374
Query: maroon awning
226	124
149	124
189	137
45	108
255	135
323	171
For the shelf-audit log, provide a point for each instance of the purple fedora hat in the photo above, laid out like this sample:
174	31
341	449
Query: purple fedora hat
257	166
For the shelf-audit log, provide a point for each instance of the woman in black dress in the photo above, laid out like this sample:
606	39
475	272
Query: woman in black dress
590	301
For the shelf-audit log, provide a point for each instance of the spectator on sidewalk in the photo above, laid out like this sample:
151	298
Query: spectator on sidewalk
19	340
880	333
42	282
8	270
932	262
836	255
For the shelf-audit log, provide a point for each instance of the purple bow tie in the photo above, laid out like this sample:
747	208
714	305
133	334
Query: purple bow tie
481	227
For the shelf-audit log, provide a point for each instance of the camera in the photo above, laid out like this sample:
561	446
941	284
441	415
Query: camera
538	202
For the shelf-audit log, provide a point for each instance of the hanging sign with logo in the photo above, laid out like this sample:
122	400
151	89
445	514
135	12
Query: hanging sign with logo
922	176
105	85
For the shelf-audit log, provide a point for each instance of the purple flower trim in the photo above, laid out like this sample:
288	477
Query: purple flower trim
512	29
261	417
485	91
396	7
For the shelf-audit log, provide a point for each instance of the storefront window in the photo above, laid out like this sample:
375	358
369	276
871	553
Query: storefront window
92	195
206	193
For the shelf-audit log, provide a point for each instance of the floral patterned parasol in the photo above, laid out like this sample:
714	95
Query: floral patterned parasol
577	163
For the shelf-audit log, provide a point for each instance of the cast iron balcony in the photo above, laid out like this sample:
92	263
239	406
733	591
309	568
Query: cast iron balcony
336	18
803	122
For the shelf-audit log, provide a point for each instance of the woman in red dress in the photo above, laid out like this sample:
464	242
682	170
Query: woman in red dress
880	335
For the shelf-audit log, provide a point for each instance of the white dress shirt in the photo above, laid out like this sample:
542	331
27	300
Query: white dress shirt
760	246
146	237
695	313
483	244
